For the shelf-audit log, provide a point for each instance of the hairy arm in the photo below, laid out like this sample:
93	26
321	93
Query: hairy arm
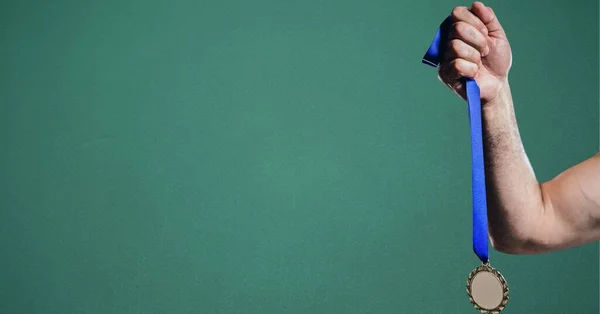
526	216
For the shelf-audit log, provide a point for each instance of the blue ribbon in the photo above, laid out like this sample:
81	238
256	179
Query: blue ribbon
433	57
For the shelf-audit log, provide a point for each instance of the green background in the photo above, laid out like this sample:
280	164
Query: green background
269	156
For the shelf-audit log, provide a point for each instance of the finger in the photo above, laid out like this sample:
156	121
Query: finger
456	69
457	86
458	49
465	15
459	89
470	35
488	17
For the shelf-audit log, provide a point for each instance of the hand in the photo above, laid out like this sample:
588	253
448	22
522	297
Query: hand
477	48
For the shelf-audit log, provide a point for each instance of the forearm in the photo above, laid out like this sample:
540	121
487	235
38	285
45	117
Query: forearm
515	199
526	216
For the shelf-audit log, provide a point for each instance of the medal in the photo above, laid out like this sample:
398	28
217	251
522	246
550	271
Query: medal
486	287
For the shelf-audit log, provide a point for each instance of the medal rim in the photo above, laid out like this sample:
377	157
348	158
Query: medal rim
505	291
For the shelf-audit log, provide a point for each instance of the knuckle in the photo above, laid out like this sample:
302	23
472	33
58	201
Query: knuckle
480	26
464	68
458	11
460	28
455	45
470	31
457	64
476	55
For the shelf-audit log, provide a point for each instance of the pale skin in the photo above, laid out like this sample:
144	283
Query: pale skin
525	216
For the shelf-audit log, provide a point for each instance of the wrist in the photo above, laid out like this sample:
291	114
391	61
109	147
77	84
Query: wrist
502	99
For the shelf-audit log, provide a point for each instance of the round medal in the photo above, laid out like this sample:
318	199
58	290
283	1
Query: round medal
487	289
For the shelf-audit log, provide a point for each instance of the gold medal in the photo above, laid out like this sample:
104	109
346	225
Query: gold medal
487	289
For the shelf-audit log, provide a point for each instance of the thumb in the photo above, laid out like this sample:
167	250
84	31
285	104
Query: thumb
488	17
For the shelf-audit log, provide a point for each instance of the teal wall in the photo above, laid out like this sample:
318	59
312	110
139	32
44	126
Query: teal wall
269	156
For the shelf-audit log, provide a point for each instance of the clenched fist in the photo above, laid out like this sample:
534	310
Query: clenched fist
478	49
